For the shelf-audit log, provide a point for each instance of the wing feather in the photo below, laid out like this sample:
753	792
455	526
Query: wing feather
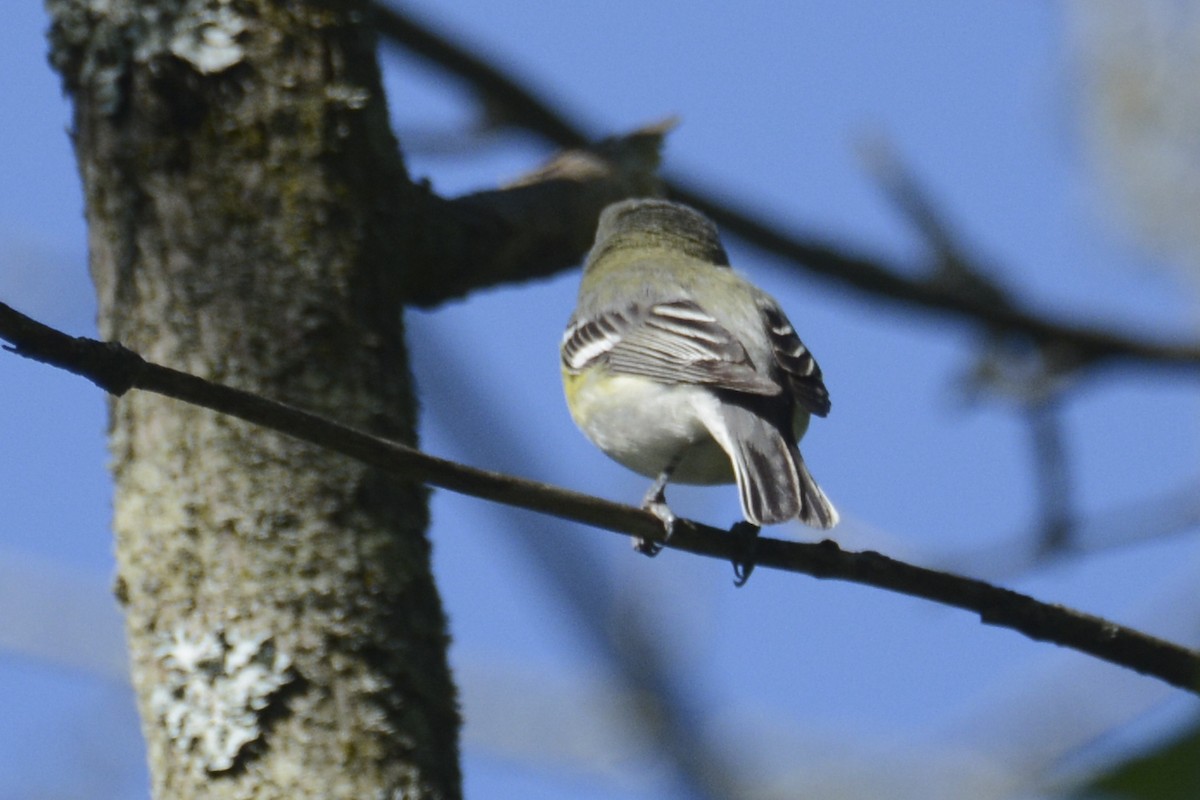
673	342
799	367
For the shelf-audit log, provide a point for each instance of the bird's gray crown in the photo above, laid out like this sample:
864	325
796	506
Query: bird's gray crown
648	222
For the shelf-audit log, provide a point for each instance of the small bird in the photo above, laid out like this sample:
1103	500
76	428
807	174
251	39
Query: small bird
680	369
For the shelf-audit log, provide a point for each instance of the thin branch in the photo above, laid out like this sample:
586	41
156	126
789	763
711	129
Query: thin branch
117	369
522	107
1053	475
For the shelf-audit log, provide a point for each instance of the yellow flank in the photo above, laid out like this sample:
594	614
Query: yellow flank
572	382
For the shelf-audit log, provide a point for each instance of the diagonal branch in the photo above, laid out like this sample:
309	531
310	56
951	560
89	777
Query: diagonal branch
500	93
518	105
1040	375
117	369
539	224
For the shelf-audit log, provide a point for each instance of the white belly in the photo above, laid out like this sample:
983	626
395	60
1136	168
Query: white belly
645	425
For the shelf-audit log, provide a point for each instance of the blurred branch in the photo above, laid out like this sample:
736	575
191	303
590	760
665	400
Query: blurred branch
67	616
1168	513
117	369
1034	380
1034	377
1053	477
500	94
953	267
512	102
537	225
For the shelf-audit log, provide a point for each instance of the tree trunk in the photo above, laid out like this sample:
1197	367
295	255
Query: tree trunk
249	221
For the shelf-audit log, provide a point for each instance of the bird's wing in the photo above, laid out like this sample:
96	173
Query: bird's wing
799	368
672	342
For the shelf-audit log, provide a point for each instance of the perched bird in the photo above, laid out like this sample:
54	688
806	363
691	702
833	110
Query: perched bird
681	369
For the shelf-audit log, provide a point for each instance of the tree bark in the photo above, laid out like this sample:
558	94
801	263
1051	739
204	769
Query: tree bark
249	218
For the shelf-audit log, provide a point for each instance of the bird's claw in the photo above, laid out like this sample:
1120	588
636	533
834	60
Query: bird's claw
743	566
655	502
657	506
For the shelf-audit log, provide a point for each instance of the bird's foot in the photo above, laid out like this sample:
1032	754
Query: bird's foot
655	502
743	565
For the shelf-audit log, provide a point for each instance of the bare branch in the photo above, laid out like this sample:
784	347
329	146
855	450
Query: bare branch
500	94
1090	344
117	368
541	223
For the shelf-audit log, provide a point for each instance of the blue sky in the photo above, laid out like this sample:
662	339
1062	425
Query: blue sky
816	684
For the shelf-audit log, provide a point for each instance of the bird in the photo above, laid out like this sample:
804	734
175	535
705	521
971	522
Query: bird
679	368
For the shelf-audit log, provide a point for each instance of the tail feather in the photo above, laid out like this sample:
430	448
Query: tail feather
774	484
767	481
817	510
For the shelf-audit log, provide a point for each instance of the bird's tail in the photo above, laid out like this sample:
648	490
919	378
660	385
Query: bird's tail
773	482
816	509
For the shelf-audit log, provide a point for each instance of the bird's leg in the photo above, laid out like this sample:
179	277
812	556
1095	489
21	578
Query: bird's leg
655	502
744	565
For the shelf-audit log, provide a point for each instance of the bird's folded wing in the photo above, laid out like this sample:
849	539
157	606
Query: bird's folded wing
672	342
799	368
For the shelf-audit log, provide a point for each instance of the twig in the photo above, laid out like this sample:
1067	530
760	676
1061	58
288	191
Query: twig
1091	344
118	369
1053	475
